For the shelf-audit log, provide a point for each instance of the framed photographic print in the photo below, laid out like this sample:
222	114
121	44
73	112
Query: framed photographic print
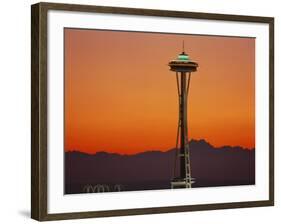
140	111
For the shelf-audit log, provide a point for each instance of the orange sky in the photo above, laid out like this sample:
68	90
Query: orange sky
121	97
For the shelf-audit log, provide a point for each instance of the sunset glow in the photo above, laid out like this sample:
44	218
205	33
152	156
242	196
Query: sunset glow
120	95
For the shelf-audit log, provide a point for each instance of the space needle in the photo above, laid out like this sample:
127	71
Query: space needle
183	66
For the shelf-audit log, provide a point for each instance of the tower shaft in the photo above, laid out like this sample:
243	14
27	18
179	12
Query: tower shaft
185	171
183	124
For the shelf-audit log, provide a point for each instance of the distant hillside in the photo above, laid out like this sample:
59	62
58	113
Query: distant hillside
154	169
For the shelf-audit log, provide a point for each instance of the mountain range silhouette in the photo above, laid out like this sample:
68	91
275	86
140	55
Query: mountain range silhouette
150	170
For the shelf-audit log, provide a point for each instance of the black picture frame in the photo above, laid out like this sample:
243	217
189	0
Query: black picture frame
39	105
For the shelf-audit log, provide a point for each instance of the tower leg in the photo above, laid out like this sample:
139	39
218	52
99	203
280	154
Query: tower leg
183	111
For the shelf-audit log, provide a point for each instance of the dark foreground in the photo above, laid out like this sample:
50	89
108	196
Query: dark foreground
153	170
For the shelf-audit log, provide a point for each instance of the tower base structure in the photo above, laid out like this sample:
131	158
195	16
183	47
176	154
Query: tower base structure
181	183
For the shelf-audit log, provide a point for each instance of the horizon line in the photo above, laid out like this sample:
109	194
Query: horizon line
157	150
